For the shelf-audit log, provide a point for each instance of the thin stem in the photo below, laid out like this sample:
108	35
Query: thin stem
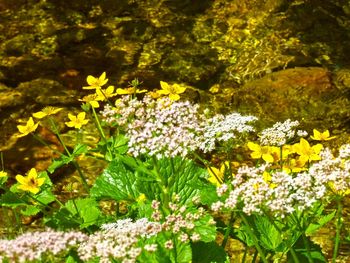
254	238
164	184
256	253
290	246
307	245
2	161
228	230
82	176
76	165
338	227
305	240
100	130
244	254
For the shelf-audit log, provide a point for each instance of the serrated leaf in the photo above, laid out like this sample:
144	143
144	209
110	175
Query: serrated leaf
206	230
79	149
183	253
86	209
45	197
313	227
183	177
30	210
121	144
116	182
57	163
207	252
269	236
62	220
10	199
302	253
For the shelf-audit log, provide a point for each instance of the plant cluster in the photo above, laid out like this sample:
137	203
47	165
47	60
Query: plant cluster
173	199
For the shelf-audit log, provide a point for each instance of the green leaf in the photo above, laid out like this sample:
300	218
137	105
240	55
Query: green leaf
116	182
85	209
313	227
205	229
30	210
81	212
79	149
183	253
182	176
208	194
57	163
269	236
241	234
208	253
302	253
45	197
10	199
62	220
121	144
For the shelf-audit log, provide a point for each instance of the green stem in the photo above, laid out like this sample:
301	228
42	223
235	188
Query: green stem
164	185
254	238
228	230
82	176
307	245
75	164
244	254
255	256
338	227
100	130
305	240
290	246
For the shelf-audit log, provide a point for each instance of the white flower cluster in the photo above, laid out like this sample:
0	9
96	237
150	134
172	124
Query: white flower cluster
280	133
222	128
166	128
334	171
32	246
118	241
279	195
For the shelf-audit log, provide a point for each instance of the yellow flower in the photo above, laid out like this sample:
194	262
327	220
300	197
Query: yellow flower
321	136
263	152
3	174
28	128
77	121
96	83
103	95
216	176
268	178
91	99
295	166
141	198
172	91
47	111
307	152
31	182
130	91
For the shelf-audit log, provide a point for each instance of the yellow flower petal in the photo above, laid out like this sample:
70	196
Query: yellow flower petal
21	179
3	174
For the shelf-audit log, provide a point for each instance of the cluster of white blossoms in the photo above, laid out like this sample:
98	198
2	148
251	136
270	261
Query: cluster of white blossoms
222	128
33	246
172	128
334	171
253	190
280	133
118	241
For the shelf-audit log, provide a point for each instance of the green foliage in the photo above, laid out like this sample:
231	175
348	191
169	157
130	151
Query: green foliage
81	212
66	159
208	253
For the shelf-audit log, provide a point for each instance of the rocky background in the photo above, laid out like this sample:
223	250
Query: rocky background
276	59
